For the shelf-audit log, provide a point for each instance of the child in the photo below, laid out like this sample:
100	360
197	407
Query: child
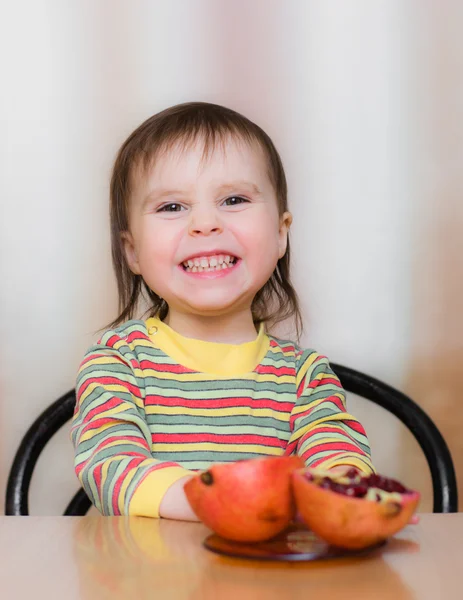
199	224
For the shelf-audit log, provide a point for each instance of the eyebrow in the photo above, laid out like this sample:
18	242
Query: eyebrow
158	194
230	187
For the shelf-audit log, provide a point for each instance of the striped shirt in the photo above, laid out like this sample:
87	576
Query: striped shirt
154	406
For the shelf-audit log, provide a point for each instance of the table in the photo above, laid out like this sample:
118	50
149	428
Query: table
97	558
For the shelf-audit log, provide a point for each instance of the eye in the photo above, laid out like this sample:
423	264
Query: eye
235	200
172	207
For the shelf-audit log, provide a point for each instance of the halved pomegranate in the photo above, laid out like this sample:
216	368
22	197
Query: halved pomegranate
352	510
249	500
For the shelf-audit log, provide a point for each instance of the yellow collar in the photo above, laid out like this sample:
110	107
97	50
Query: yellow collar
209	357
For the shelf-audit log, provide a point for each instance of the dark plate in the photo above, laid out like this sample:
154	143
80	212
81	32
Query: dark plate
294	544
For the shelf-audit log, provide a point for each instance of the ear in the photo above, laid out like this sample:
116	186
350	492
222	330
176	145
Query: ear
130	252
285	223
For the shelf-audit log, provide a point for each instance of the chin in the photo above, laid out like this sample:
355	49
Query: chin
211	309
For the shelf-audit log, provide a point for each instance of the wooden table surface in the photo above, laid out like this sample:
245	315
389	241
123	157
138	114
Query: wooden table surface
116	557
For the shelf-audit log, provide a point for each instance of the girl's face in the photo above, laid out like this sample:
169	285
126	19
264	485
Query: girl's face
205	234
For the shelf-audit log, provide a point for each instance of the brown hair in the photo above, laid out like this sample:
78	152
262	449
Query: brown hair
184	123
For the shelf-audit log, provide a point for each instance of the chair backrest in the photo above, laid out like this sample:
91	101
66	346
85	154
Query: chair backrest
404	408
444	484
32	444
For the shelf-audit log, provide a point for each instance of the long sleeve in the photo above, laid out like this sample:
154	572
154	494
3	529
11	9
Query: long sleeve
112	441
322	431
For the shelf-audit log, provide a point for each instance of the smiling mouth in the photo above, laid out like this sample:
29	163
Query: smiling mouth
207	264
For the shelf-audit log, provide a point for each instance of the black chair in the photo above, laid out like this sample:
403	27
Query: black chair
440	462
444	483
33	442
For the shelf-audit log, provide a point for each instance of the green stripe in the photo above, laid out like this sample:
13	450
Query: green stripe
160	422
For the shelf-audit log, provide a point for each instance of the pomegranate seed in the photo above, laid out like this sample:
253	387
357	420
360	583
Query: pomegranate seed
359	485
352	474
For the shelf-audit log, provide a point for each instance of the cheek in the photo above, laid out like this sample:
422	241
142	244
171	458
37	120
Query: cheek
157	248
260	237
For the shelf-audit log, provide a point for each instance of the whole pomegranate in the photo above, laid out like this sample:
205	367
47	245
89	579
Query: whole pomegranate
247	501
352	510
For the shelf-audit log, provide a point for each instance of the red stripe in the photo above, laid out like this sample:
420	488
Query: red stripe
89	357
333	456
200	438
288	348
95	355
117	487
80	467
326	380
356	426
300	388
121	440
277	371
162	465
206	404
161	368
113	340
96	424
136	335
97	476
337	402
108	405
327	429
291	449
336	447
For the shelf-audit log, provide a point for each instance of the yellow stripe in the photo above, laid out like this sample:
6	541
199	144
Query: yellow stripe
108	387
89	434
104	390
338	417
148	495
201	377
106	414
119	344
120	442
205	446
278	350
92	387
305	367
347	460
104	473
216	412
98	359
141	343
336	437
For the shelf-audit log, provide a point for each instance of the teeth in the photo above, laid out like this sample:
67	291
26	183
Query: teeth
212	263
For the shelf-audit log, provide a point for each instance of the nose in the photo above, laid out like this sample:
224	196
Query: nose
204	221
